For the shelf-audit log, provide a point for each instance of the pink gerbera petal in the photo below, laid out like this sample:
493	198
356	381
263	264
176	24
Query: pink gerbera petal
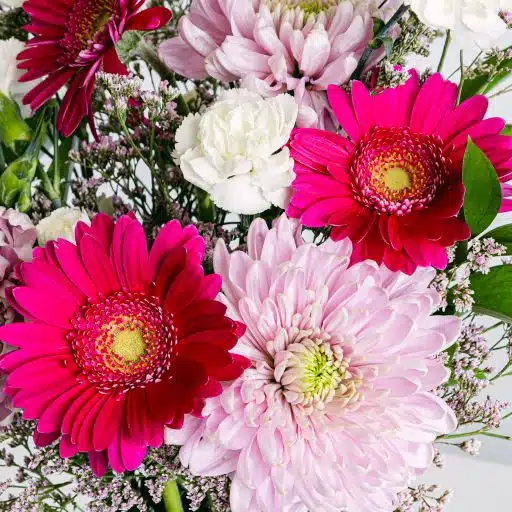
129	342
394	186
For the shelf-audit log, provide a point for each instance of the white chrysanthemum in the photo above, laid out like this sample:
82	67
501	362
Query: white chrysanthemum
10	74
478	19
60	224
234	151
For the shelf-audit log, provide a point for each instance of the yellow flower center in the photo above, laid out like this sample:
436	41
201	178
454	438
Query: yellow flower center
397	179
129	344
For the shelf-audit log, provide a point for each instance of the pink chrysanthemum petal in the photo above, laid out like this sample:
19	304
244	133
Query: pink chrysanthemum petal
336	412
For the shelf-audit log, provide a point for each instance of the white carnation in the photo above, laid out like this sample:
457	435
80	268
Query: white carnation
477	19
10	74
12	3
60	224
234	151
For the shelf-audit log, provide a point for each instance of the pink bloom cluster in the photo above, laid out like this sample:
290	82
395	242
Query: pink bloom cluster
17	236
337	411
275	46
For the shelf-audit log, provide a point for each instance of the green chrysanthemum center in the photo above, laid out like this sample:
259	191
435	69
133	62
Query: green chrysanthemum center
308	7
313	371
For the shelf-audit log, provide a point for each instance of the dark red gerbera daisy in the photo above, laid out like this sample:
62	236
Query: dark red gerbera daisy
117	343
73	40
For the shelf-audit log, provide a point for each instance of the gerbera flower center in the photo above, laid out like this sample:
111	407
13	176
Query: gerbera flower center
124	341
313	371
129	344
397	171
86	22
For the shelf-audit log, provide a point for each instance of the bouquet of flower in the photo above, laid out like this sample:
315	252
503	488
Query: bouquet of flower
246	254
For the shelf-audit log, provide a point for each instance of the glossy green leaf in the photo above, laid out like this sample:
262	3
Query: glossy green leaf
12	126
492	293
483	191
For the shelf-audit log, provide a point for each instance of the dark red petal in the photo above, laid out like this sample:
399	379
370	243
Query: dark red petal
112	64
222	337
98	462
108	422
208	354
149	19
41	440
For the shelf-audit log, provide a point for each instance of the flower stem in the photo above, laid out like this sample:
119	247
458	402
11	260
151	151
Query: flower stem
447	42
383	31
462	72
148	53
172	498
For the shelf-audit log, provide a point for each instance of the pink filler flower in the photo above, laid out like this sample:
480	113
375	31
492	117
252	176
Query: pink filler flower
394	186
337	411
276	46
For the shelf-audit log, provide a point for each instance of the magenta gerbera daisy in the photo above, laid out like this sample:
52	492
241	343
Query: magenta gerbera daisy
73	40
118	342
394	186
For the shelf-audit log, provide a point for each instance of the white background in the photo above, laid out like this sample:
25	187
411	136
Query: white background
483	483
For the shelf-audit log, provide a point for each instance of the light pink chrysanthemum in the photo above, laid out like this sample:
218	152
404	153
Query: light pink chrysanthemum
275	46
336	413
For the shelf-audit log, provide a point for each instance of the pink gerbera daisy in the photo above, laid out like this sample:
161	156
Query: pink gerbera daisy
394	186
118	342
337	411
74	39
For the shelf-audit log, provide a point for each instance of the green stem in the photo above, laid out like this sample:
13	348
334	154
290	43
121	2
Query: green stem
52	195
447	42
498	436
172	498
492	327
56	162
461	85
148	53
384	30
206	208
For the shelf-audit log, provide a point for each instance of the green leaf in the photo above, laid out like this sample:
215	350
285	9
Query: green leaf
480	374
171	497
12	126
492	293
507	130
481	84
502	235
483	191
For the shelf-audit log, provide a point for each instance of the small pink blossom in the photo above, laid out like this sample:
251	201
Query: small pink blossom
17	236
